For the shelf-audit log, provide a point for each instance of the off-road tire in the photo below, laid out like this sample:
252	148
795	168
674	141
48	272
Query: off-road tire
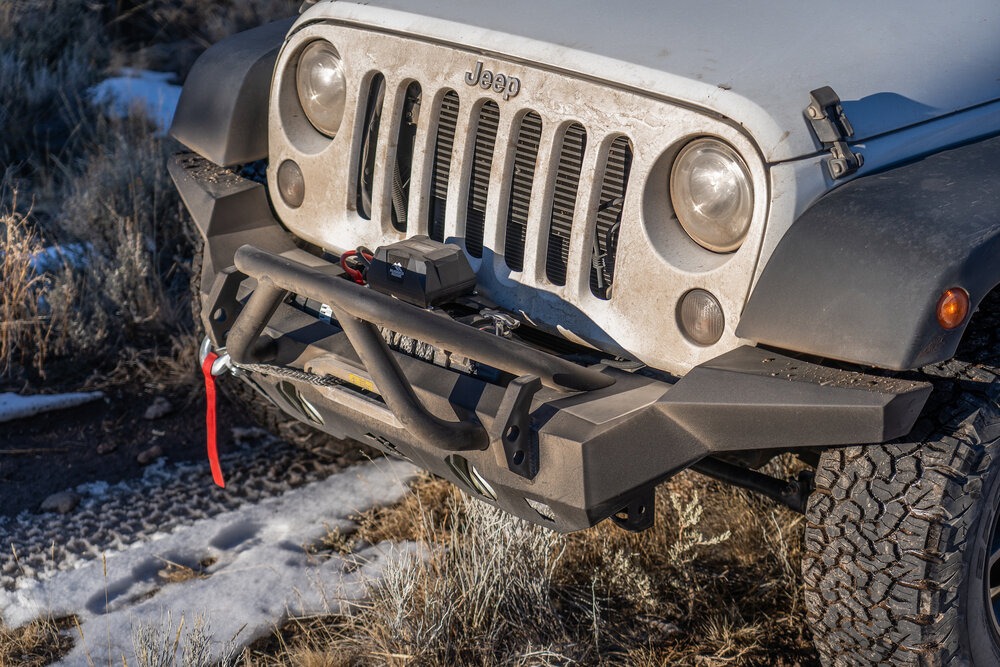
898	536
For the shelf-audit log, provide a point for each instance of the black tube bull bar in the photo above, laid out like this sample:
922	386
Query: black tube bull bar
360	311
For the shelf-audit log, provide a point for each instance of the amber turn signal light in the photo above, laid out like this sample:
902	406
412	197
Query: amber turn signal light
952	307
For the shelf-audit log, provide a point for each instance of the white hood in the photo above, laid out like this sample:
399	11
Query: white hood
893	64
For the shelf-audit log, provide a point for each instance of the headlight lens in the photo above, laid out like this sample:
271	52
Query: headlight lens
711	194
322	89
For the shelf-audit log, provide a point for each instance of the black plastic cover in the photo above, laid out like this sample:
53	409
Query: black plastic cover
858	276
421	271
222	111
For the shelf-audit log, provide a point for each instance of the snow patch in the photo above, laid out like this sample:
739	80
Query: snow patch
15	406
53	258
253	565
134	87
97	490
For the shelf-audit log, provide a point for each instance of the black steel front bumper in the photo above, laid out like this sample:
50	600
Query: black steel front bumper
561	444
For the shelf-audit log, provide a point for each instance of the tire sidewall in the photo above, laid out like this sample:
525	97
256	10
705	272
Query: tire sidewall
980	637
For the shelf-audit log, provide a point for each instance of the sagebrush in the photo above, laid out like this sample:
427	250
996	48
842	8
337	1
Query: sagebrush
490	589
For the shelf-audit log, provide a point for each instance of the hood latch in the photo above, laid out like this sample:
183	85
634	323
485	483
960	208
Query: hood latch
832	128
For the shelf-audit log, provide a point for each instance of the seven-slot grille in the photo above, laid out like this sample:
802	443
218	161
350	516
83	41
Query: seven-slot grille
527	179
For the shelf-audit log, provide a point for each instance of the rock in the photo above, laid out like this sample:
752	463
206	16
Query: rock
62	503
665	628
106	447
147	456
161	407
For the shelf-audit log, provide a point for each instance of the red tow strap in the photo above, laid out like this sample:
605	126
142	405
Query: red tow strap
213	451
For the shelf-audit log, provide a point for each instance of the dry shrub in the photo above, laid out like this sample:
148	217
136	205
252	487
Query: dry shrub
28	325
481	596
42	31
41	642
713	582
479	592
51	51
164	644
145	22
131	290
168	35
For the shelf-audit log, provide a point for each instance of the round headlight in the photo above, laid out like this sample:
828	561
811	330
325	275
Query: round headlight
711	194
321	86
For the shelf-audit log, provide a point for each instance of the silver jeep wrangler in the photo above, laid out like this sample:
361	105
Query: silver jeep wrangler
556	252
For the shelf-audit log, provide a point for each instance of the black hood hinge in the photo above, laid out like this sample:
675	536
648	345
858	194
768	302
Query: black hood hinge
831	127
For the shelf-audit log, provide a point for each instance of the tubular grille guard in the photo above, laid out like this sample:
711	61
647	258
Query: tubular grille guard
361	311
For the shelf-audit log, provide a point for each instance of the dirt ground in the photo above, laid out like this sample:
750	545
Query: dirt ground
101	441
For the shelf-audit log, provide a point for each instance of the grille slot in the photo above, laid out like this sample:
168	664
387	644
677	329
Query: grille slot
444	144
609	216
567	183
404	156
479	178
366	165
525	157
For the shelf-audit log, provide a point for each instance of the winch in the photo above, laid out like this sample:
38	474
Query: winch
421	271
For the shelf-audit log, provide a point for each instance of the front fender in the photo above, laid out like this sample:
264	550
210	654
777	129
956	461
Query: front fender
858	276
222	112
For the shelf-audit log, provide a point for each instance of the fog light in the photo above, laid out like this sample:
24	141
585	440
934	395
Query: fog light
291	184
952	308
700	317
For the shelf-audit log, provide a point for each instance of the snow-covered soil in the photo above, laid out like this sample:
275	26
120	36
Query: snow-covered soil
248	550
150	551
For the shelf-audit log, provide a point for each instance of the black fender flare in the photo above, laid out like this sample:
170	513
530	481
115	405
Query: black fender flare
222	111
858	276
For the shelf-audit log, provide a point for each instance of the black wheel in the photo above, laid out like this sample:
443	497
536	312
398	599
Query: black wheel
902	544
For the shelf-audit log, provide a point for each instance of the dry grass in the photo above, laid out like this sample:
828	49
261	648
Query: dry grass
41	642
119	201
101	182
122	305
95	182
51	51
714	582
168	35
29	326
143	22
180	644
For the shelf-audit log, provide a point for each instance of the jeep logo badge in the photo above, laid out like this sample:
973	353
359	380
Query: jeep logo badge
507	86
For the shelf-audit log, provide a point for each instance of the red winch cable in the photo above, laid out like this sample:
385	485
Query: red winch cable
362	256
213	451
353	274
